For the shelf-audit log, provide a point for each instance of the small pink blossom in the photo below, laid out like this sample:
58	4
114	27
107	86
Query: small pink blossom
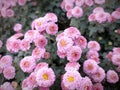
101	17
71	79
64	43
109	55
40	41
91	17
27	64
112	76
90	66
92	53
46	55
72	32
52	28
61	54
3	12
40	66
51	17
89	2
6	61
69	14
17	27
79	2
72	66
77	12
68	6
99	1
9	72
24	45
74	54
81	41
116	14
45	77
22	2
98	86
6	86
94	45
10	12
85	84
99	76
38	53
98	9
116	59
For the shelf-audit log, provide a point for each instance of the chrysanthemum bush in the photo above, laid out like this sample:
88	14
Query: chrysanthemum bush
68	45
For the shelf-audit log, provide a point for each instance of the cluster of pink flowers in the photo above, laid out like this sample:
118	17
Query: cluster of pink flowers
114	57
6	86
6	67
74	7
70	44
101	16
17	27
6	7
42	77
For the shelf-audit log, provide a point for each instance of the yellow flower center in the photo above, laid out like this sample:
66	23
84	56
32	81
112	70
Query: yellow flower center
70	78
39	23
63	43
45	76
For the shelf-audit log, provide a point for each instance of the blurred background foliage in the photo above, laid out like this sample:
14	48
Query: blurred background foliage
103	33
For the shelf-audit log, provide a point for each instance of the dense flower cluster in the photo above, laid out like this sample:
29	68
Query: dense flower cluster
101	16
6	7
6	67
74	8
7	86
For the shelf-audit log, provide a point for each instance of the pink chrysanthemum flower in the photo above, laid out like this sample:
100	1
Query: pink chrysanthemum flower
52	28
64	44
109	55
27	64
40	66
112	76
25	45
9	72
68	6
6	86
45	77
74	54
25	85
72	32
10	12
116	59
32	80
116	50
71	79
40	41
30	35
17	27
69	14
98	9
22	2
61	54
81	42
94	45
72	66
99	1
51	17
98	86
101	17
46	55
92	53
91	17
116	15
90	66
89	2
40	24
99	75
13	45
77	12
6	61
85	84
79	2
38	53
